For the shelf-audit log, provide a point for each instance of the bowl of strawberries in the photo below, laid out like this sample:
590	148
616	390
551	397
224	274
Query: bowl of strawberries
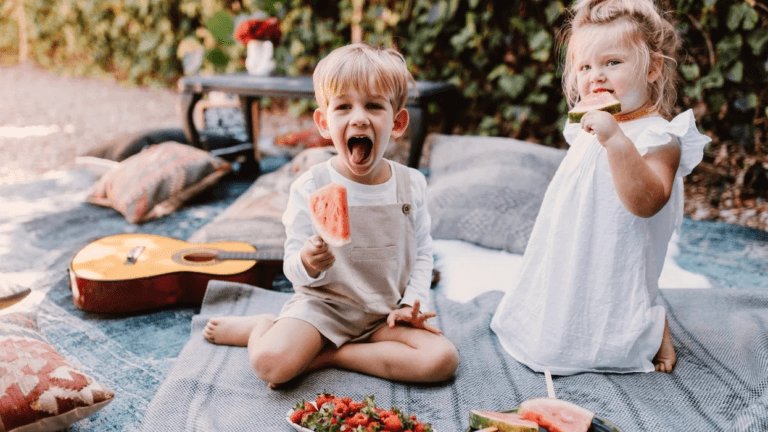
330	413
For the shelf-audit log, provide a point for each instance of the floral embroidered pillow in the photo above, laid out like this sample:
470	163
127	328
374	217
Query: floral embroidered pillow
157	181
39	389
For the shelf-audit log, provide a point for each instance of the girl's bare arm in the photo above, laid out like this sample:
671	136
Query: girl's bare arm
643	183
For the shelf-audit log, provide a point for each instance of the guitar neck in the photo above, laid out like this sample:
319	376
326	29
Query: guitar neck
261	255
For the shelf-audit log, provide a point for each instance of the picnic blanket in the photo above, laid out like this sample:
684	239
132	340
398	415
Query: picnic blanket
721	337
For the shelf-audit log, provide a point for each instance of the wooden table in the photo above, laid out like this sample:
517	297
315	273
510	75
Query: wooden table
250	89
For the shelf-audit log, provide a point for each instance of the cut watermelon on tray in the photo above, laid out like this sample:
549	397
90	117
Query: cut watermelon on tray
601	101
556	415
598	424
503	422
329	212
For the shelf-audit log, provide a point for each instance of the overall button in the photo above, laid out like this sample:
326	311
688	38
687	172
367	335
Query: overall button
406	208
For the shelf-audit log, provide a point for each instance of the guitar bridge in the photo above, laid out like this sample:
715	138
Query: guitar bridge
134	255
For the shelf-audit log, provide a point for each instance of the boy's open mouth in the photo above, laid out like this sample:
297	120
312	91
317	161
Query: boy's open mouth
359	148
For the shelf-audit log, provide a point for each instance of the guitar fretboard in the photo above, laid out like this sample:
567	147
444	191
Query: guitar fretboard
260	255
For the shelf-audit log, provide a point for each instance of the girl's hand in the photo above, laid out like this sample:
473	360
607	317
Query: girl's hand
412	316
602	124
316	256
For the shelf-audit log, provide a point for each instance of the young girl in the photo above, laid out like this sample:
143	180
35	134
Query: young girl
587	298
351	302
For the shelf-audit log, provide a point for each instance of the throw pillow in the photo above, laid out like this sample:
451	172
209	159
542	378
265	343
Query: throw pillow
488	190
39	389
11	293
157	181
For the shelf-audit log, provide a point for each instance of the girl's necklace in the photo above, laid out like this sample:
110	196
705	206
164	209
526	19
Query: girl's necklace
621	118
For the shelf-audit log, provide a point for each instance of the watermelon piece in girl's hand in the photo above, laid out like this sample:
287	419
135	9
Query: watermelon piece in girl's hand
601	101
330	214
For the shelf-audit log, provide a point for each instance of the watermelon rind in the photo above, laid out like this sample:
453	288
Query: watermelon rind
504	422
596	101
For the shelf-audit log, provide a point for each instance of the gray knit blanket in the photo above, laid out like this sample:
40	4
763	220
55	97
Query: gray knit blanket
719	383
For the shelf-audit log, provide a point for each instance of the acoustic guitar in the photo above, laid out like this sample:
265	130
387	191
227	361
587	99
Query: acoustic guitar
133	272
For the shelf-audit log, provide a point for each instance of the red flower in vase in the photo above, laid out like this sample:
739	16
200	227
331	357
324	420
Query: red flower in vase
259	29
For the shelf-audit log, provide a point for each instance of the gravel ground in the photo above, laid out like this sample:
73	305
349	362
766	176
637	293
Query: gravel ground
46	120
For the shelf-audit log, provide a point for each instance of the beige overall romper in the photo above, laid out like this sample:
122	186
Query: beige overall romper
370	274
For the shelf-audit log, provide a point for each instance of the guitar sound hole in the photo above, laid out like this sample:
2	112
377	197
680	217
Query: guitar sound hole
199	257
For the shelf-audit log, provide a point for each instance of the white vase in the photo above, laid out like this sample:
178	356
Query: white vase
259	57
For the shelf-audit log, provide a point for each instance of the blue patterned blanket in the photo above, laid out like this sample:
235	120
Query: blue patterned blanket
721	333
719	383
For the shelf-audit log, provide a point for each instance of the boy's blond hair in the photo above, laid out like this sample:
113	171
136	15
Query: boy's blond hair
639	25
366	68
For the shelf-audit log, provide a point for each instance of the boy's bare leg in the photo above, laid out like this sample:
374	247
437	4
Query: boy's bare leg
285	350
401	353
236	330
666	358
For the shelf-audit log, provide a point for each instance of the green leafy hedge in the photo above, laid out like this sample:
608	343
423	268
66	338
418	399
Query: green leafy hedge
501	54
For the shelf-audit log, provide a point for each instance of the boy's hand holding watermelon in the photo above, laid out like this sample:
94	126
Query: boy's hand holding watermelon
316	256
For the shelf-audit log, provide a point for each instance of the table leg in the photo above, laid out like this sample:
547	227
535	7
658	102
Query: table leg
251	108
186	104
418	133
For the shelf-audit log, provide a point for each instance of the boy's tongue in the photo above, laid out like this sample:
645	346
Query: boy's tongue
359	150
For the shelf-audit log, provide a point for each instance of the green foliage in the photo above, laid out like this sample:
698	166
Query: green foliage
501	54
726	68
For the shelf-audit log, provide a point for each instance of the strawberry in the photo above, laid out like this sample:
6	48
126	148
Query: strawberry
386	414
422	427
340	409
358	419
392	423
373	426
308	407
355	407
323	398
296	416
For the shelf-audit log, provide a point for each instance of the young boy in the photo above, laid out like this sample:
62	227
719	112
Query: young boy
356	307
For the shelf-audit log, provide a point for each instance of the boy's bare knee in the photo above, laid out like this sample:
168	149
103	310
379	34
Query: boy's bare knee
445	361
271	366
439	362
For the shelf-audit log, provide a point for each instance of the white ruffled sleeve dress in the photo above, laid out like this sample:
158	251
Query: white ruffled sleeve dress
587	297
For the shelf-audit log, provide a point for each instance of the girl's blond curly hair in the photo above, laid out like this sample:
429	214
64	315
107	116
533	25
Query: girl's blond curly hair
640	25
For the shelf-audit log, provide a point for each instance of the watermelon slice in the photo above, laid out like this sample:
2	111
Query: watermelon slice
556	415
504	422
602	101
330	214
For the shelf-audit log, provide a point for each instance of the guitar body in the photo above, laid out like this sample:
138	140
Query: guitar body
132	272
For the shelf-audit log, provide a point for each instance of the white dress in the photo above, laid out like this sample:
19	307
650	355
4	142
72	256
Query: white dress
587	297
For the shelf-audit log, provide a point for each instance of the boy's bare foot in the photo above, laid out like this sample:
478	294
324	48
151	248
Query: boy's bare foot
234	330
666	358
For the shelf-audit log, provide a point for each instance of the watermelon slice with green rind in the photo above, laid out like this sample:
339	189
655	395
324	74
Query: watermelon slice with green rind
329	212
504	422
601	101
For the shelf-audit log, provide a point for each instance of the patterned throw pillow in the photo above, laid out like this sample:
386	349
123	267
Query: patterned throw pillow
157	181
488	190
11	293
39	389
